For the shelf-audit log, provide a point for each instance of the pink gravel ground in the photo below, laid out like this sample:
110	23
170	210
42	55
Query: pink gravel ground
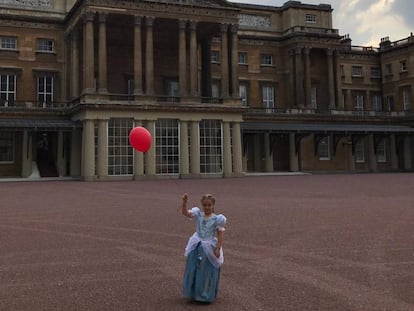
321	242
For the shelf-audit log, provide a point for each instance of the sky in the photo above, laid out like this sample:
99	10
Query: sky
366	21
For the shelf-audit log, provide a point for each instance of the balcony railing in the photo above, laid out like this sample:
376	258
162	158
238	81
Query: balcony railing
33	105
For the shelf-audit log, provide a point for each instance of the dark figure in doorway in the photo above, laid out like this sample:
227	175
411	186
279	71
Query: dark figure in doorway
42	149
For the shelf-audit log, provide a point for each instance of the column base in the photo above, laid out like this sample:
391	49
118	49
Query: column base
88	178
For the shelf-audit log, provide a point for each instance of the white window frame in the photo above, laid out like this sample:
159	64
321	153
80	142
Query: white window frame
406	100
268	98
215	57
403	66
359	102
215	89
310	18
243	94
45	45
8	94
211	146
381	151
44	92
360	151
167	147
243	58
377	103
120	152
7	144
356	71
314	97
8	43
324	149
266	60
375	72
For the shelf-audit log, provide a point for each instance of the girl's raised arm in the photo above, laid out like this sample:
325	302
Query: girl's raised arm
184	209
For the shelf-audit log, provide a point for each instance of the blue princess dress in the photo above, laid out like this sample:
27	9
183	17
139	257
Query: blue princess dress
202	270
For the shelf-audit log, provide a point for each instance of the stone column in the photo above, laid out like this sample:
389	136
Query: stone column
308	99
149	56
331	82
102	59
393	151
299	77
338	79
26	154
372	157
102	149
193	59
237	150
184	156
88	150
293	155
195	148
268	153
89	60
75	64
349	105
76	153
60	155
137	56
182	57
234	61
138	159
227	164
224	62
150	166
408	157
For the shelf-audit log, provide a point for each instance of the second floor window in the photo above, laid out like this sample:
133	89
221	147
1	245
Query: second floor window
215	57
375	72
377	103
243	94
406	100
310	18
268	98
45	91
314	99
266	59
7	90
359	102
356	71
242	58
8	43
403	66
45	45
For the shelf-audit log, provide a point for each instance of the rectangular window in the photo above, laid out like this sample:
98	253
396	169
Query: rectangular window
7	90
359	102
375	72
6	147
403	66
45	91
172	88
323	149
210	146
243	94
381	151
45	45
167	152
8	43
356	71
266	59
243	58
130	88
215	57
360	151
310	18
314	102
390	103
215	89
268	98
377	103
120	152
406	100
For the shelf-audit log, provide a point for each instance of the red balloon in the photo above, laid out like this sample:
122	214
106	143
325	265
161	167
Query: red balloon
140	139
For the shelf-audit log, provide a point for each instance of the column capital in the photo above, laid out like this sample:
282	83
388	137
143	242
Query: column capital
193	25
224	27
298	50
149	21
234	28
182	24
102	17
89	16
138	20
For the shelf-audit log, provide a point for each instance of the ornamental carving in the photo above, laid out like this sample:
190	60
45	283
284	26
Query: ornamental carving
29	3
254	21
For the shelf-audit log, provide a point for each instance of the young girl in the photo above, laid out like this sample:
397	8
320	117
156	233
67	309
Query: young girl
204	253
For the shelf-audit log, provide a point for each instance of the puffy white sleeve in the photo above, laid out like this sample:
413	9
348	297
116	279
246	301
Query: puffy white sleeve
221	222
195	212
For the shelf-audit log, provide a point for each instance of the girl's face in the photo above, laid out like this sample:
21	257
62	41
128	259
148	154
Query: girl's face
208	206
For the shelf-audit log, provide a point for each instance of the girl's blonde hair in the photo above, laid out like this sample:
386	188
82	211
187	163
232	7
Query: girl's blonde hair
208	197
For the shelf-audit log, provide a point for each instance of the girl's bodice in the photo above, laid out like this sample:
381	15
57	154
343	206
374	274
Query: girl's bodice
206	226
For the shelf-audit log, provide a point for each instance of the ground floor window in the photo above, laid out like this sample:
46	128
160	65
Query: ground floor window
211	146
381	151
6	147
120	153
323	149
167	146
360	151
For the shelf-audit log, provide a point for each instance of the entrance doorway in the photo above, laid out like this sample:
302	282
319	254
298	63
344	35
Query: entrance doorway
46	154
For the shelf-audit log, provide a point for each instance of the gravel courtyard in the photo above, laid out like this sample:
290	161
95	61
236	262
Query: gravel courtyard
317	242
